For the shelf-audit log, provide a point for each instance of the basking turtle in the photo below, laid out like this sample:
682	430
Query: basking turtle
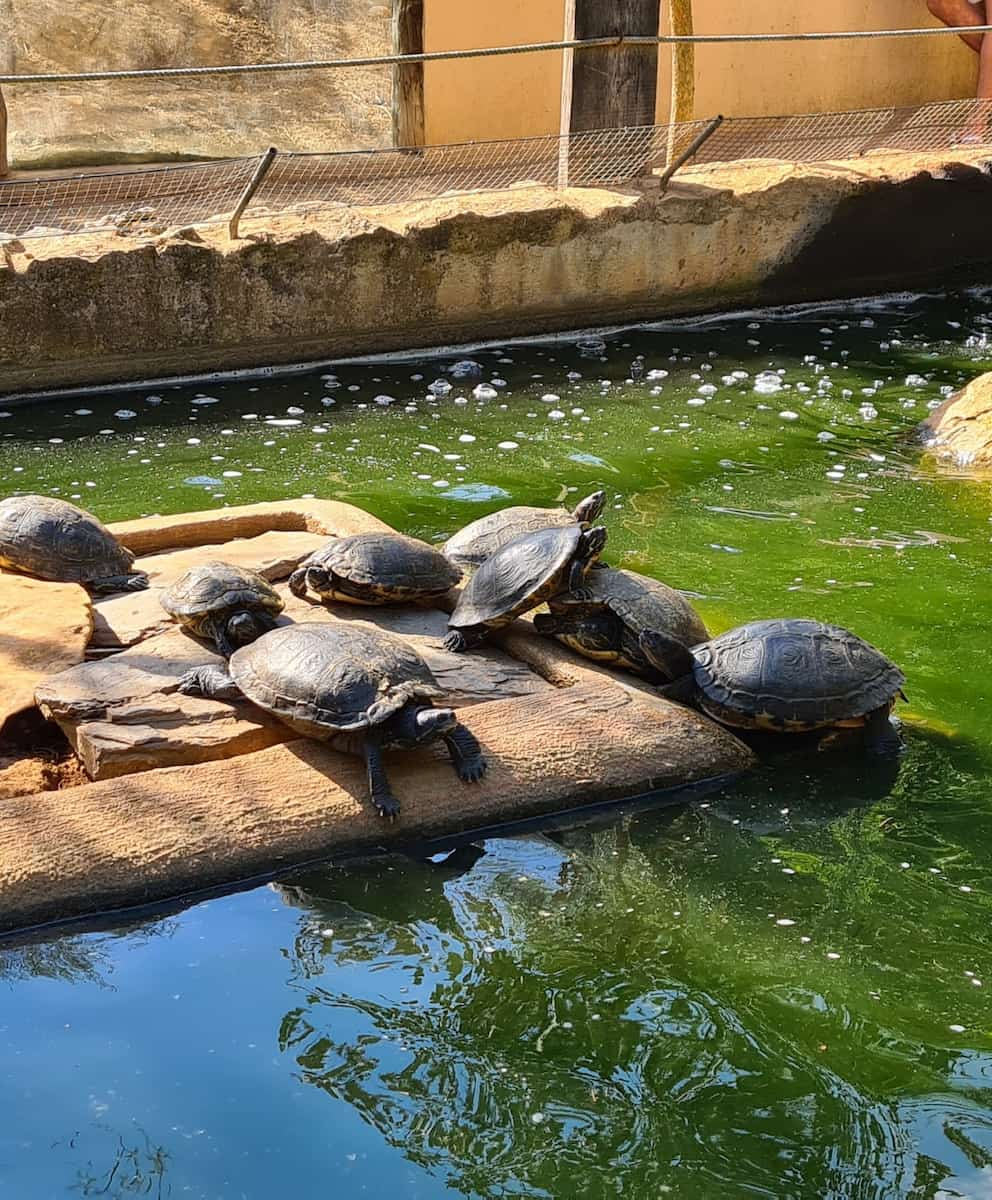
227	605
376	568
519	577
471	546
55	540
785	676
360	689
605	622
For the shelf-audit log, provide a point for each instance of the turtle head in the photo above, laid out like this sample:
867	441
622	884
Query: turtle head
246	627
589	509
666	654
593	543
415	725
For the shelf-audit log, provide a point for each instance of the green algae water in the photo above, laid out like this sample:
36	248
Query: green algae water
780	990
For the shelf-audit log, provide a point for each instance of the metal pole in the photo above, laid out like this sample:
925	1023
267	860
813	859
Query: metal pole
4	166
260	172
682	107
690	151
565	120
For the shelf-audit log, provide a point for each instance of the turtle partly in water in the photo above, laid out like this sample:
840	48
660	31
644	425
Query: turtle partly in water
224	604
471	546
376	568
786	676
55	540
605	621
520	576
360	689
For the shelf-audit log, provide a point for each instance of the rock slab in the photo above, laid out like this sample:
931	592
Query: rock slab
960	431
123	714
44	628
162	833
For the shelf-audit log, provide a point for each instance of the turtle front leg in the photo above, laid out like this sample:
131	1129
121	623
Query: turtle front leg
137	581
379	789
466	754
881	736
460	640
212	682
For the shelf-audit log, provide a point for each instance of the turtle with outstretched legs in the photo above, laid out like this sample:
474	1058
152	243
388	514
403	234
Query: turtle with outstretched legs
54	540
785	676
228	605
359	689
470	547
519	577
376	568
605	621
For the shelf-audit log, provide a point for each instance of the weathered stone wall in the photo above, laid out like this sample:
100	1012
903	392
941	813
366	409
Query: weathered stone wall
148	121
341	282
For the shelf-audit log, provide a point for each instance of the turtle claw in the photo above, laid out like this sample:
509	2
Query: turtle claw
387	806
473	771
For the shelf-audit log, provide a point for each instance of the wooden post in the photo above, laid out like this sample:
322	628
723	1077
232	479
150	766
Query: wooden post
567	65
4	166
408	79
260	172
614	87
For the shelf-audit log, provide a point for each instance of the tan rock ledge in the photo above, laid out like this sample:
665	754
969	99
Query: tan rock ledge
959	433
160	834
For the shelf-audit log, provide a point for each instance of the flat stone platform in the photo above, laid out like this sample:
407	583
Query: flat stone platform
188	794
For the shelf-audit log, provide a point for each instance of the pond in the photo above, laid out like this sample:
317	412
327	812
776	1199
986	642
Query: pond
777	991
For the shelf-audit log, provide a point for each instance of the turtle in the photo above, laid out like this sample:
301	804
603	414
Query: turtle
360	689
605	622
376	568
785	676
224	604
54	540
471	546
519	577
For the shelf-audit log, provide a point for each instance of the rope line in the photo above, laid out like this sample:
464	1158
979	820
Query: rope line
389	60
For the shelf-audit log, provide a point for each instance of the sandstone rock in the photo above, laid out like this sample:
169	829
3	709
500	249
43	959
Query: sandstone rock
150	535
960	431
123	620
123	714
163	833
44	628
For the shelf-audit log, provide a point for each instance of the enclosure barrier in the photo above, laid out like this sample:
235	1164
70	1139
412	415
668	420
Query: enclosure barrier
152	200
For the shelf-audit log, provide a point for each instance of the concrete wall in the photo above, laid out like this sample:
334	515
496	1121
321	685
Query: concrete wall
519	262
519	96
758	80
507	97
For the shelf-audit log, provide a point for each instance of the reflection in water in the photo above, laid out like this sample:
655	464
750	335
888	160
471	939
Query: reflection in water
136	1169
593	1008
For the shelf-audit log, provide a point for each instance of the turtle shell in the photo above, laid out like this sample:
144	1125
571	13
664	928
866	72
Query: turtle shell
55	540
331	678
471	546
790	673
644	603
388	565
217	587
517	577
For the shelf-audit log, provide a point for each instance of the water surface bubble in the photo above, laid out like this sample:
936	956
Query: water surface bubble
125	414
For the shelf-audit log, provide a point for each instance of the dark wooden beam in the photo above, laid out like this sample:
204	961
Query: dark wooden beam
408	80
615	86
4	166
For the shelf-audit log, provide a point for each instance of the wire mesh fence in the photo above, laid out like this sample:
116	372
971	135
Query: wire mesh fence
151	200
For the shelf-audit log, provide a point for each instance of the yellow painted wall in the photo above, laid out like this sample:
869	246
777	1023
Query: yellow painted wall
520	96
508	97
759	80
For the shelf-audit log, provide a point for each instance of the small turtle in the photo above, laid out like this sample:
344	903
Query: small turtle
605	622
785	676
360	689
227	605
55	540
376	568
471	546
519	577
